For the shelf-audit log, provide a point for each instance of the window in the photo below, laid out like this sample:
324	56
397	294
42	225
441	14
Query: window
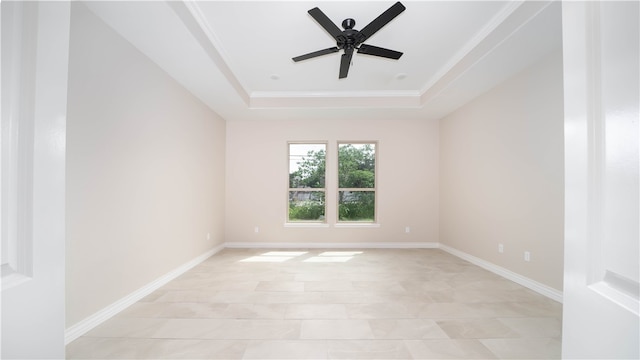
307	189
356	182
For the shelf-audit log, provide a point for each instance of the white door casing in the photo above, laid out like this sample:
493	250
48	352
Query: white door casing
601	42
35	48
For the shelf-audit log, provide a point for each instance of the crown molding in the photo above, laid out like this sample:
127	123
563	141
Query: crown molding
472	44
504	25
192	17
320	99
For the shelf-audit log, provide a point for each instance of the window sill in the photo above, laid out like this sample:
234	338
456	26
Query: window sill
357	225
325	225
306	225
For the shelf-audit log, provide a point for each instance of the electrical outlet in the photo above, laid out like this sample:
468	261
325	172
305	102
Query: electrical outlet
208	236
407	229
501	248
256	229
527	256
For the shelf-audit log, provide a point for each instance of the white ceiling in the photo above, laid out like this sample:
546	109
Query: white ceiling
236	55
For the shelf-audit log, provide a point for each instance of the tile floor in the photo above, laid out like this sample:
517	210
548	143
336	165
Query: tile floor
342	304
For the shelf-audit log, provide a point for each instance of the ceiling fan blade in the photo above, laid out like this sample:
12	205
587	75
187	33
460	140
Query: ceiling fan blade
316	53
381	20
325	22
378	51
345	62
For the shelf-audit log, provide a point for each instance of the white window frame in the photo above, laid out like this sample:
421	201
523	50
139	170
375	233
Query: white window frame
374	189
294	223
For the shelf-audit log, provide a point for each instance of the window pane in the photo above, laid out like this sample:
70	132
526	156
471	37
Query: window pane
306	205
356	166
307	165
356	205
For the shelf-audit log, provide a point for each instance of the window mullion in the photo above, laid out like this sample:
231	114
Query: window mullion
306	201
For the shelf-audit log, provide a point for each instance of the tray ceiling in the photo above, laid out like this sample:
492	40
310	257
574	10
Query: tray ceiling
236	55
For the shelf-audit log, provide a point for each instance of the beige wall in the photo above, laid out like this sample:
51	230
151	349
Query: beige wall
257	176
145	171
501	174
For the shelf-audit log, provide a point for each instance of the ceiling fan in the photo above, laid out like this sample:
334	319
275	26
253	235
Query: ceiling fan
351	39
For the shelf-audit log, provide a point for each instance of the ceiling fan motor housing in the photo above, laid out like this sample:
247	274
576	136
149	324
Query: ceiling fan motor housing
348	40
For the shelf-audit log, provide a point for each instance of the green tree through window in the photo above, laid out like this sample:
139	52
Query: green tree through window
356	182
307	168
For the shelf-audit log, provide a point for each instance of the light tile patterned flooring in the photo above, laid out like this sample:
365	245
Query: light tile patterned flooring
341	304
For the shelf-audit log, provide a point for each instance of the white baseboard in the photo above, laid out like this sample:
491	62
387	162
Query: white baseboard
323	245
507	274
84	326
108	312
